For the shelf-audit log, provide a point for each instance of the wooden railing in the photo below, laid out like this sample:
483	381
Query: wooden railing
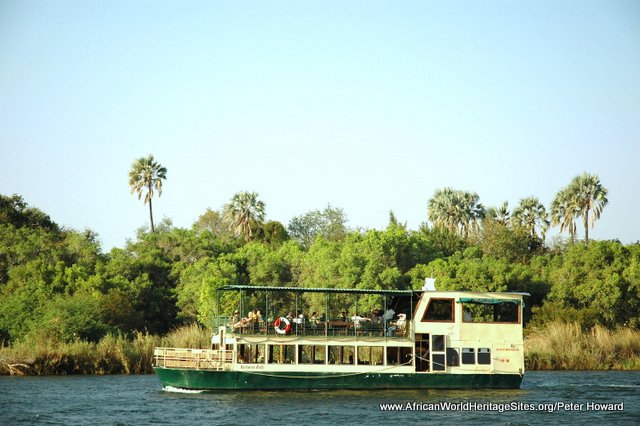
199	359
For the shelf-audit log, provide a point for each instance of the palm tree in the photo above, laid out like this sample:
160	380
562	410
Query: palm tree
457	211
244	213
589	196
442	210
531	213
584	196
147	174
500	214
563	212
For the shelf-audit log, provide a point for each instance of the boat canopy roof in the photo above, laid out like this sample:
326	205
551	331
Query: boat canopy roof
474	299
319	290
487	301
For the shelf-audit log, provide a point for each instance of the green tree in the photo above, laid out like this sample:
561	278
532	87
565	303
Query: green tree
274	233
71	318
530	214
514	244
213	221
590	284
147	174
15	211
244	214
329	224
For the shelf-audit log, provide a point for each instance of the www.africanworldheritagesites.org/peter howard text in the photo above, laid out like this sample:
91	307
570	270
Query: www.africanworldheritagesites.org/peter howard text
550	407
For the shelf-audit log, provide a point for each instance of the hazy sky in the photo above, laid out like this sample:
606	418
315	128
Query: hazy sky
369	106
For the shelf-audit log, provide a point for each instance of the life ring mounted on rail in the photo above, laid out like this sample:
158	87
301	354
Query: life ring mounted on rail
282	325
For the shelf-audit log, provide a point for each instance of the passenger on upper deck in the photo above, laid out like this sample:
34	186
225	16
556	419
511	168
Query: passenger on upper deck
357	320
398	327
235	320
388	315
402	318
376	317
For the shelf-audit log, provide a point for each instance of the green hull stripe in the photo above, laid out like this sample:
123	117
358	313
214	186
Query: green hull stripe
239	380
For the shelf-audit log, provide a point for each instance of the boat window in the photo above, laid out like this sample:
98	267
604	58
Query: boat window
305	354
453	358
341	354
468	356
437	343
399	355
376	355
251	354
484	356
281	354
406	355
311	354
393	355
439	310
438	362
369	355
495	312
319	354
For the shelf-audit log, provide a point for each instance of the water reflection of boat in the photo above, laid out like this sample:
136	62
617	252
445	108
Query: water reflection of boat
418	339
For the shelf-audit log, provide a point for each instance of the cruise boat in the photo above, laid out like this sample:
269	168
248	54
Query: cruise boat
417	339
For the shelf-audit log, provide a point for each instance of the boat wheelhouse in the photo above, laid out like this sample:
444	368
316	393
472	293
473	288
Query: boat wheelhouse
417	339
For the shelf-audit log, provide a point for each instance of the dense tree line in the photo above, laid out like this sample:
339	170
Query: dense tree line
57	283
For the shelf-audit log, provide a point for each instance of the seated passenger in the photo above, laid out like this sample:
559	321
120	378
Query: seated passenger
402	318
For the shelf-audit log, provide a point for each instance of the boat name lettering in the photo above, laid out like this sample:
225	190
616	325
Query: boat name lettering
252	367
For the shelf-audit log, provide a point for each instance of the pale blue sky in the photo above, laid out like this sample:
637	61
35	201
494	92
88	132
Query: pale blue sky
367	105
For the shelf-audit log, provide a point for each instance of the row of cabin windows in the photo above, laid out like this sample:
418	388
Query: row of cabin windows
320	354
453	358
442	310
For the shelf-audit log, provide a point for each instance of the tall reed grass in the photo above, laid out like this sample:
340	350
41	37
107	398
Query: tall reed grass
114	354
562	346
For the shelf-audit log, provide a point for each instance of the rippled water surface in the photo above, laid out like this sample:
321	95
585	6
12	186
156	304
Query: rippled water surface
568	397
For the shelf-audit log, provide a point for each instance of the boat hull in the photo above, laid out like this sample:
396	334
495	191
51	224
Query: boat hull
240	380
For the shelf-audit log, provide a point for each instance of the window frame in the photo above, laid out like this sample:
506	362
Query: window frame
440	299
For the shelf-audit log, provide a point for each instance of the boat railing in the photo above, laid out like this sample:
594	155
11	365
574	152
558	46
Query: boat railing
201	359
324	328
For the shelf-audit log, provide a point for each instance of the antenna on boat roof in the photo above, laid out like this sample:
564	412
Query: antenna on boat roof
429	284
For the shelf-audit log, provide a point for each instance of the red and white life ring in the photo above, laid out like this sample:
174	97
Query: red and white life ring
278	325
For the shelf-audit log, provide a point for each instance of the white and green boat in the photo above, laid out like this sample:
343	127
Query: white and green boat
426	339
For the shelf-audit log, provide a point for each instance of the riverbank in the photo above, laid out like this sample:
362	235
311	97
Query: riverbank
557	346
111	355
560	346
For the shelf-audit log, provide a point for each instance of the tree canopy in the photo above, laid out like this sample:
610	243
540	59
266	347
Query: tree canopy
58	284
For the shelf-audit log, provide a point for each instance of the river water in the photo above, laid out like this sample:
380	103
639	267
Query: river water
545	397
